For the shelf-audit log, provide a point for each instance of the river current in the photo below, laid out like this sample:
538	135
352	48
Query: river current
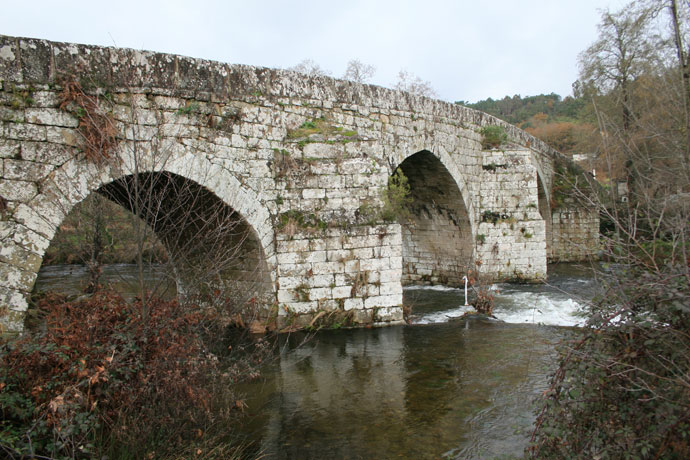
440	387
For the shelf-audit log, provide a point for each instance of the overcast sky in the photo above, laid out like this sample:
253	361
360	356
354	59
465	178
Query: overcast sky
467	49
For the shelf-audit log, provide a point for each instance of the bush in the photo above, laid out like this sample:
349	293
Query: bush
100	379
493	137
622	389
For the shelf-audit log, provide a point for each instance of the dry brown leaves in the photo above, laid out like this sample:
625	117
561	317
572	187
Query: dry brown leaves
97	129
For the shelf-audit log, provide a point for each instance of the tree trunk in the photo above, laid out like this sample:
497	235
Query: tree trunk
684	67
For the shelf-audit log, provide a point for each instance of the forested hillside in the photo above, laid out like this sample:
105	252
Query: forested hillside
518	110
565	124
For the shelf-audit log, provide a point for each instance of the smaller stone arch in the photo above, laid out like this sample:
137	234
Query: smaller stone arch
451	166
437	236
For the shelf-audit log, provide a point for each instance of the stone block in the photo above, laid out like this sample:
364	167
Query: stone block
353	304
341	292
72	60
383	301
13	190
388	315
320	293
35	60
25	132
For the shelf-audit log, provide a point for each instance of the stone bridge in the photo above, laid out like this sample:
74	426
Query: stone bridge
303	163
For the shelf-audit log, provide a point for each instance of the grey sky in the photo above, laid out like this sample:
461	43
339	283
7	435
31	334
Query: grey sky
468	50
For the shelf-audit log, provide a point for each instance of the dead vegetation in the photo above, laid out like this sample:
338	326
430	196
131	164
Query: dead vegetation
96	127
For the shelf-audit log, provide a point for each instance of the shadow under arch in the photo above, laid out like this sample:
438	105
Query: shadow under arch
211	246
544	197
437	238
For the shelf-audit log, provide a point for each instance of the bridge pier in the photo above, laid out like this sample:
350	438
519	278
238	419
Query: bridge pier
511	235
355	271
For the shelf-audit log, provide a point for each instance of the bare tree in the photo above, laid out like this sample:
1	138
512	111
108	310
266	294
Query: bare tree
311	68
359	72
414	85
620	54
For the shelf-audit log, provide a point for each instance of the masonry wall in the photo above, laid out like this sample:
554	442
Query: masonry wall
353	275
511	235
575	235
304	160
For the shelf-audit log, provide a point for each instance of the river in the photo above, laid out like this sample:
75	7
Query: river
437	388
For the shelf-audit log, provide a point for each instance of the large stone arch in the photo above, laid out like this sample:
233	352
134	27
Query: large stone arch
67	185
438	235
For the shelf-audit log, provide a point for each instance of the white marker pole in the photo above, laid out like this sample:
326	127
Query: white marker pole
464	278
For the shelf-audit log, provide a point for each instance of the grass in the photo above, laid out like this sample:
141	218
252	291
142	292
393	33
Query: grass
320	126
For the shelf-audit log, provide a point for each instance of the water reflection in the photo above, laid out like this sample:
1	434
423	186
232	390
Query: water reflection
123	278
404	392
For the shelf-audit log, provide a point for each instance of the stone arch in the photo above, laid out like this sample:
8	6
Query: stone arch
209	244
438	237
37	220
451	166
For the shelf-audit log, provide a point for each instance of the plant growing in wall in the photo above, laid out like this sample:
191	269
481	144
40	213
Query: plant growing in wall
96	127
570	185
493	137
323	131
396	198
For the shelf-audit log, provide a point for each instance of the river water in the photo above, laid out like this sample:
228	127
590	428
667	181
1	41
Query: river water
438	388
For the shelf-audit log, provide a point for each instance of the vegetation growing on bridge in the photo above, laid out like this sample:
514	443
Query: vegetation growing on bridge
99	137
571	185
493	136
395	202
292	221
285	164
321	130
396	198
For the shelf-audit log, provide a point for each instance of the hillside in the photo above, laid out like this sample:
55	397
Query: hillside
561	123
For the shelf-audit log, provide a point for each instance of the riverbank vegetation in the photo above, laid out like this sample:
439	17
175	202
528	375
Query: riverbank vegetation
622	390
99	380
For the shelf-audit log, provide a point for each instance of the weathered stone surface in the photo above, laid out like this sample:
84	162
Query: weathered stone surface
312	197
